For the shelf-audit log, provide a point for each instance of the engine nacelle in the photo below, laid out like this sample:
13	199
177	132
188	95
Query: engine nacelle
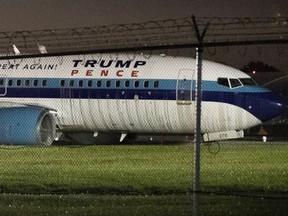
26	125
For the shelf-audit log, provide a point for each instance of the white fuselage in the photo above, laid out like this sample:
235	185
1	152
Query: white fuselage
121	93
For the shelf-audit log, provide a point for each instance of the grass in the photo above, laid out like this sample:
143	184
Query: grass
83	204
97	169
152	169
242	178
11	204
246	167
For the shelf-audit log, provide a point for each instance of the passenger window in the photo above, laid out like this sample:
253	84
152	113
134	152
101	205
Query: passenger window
89	83
235	83
80	83
62	83
10	82
156	84
127	83
146	84
44	82
27	82
1	82
35	82
99	83
108	83
18	82
136	84
71	83
117	83
223	81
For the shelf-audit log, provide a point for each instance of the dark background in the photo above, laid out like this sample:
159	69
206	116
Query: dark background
47	14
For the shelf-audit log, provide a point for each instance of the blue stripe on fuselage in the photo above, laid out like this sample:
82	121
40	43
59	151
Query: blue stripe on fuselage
243	97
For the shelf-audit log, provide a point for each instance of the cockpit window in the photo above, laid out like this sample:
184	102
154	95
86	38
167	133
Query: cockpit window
248	82
223	81
235	83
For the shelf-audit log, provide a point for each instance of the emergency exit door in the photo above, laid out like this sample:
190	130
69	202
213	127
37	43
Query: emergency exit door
3	85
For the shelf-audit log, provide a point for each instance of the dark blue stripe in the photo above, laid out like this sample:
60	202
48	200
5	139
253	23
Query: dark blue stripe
164	84
235	98
258	101
91	93
246	100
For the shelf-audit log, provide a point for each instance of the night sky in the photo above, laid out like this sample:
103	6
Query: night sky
28	15
47	14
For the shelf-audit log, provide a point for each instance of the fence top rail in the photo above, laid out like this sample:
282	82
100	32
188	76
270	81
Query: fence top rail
159	34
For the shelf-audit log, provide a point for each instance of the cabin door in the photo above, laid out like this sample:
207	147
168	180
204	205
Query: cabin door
3	85
184	87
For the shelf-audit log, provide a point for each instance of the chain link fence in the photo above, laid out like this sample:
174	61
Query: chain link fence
150	173
252	169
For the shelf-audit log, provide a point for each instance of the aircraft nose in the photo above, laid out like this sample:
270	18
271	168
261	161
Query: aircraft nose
271	105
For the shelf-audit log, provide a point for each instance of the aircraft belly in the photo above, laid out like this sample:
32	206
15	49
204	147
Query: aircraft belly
186	117
124	118
150	114
136	116
147	116
77	117
134	121
166	119
89	114
102	114
143	121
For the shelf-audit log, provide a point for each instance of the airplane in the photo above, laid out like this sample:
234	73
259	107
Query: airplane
111	98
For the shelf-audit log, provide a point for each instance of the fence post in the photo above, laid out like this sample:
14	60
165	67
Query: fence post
197	146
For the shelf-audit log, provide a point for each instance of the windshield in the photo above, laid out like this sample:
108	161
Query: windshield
234	82
248	81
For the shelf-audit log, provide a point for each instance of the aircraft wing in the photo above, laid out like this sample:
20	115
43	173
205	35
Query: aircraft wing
14	104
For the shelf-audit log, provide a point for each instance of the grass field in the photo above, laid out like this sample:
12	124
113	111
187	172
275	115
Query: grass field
168	205
143	179
97	169
152	169
249	167
75	205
